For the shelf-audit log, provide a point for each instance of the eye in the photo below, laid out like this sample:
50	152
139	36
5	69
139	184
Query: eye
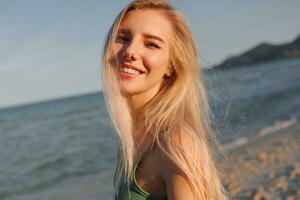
152	45
122	38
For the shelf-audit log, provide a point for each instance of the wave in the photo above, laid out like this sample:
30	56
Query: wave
278	125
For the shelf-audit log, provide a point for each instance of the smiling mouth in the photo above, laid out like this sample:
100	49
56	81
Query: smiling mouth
130	71
126	72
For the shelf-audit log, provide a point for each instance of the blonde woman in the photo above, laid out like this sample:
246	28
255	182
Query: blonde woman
156	98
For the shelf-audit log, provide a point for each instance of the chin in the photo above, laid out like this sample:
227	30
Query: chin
128	91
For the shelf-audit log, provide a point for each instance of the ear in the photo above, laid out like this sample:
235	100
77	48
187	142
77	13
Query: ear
169	72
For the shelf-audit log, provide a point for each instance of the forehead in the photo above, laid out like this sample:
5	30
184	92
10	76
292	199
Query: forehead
147	21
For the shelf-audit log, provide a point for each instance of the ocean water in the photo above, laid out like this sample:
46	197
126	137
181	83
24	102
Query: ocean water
66	149
245	99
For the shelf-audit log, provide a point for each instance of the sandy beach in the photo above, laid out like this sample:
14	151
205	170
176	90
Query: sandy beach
267	166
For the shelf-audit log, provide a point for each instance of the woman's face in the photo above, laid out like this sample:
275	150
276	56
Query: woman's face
142	50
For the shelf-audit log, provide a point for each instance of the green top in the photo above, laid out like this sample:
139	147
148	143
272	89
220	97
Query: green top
137	193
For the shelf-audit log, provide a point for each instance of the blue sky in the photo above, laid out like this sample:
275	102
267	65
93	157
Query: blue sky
52	48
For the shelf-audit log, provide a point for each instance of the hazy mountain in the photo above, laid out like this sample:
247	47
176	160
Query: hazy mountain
263	52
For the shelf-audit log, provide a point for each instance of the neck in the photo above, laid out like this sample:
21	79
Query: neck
140	137
137	103
139	100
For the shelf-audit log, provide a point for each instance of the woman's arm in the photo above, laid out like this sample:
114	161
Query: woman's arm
175	179
177	187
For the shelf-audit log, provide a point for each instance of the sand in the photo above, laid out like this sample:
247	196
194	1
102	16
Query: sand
265	167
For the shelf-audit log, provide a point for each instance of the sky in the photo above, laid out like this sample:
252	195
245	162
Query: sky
51	49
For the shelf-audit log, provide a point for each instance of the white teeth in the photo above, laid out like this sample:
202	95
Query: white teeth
130	71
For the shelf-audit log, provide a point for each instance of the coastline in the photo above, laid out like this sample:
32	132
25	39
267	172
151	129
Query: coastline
266	166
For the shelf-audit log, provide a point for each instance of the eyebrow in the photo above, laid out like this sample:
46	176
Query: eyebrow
153	37
146	35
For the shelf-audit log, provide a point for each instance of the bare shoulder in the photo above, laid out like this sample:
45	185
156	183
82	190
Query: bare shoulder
175	179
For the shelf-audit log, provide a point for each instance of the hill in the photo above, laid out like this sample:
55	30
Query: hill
263	52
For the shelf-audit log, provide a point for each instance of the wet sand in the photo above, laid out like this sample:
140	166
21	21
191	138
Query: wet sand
265	167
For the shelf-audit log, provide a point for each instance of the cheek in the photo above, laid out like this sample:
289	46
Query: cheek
157	62
117	49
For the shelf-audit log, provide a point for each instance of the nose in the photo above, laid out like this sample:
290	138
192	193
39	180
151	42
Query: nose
130	51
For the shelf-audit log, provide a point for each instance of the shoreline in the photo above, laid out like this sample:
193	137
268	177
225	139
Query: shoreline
265	166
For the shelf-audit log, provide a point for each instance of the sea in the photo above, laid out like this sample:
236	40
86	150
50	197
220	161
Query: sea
66	148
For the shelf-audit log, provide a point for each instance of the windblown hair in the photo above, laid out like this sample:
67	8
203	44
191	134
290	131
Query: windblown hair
180	102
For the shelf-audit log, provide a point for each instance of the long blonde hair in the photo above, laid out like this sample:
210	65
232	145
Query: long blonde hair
180	102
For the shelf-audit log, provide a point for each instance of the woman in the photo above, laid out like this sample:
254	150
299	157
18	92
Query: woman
157	101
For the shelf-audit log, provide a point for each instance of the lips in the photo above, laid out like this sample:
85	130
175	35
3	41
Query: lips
133	67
